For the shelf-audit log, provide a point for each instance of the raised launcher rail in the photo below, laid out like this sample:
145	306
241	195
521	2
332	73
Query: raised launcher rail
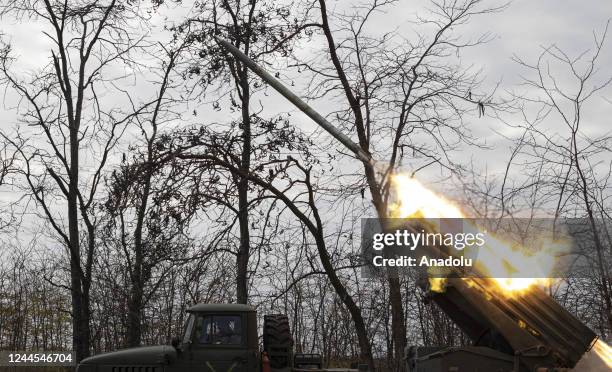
526	332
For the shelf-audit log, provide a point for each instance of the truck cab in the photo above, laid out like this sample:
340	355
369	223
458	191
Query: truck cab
220	337
216	337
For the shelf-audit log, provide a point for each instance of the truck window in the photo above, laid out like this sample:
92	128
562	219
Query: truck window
219	329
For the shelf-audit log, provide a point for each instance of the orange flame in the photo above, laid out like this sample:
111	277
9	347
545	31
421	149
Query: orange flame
416	201
598	359
604	352
521	269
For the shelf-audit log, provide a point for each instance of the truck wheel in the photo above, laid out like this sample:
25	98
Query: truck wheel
277	340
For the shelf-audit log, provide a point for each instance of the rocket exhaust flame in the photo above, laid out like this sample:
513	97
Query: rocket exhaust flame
413	200
598	359
522	270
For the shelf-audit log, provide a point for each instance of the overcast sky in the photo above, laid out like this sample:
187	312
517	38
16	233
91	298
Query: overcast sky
522	29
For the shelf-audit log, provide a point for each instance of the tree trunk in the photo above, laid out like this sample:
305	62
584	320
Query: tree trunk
397	308
80	302
136	278
242	258
398	328
134	330
362	333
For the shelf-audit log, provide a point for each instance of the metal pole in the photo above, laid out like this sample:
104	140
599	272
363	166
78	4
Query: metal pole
279	87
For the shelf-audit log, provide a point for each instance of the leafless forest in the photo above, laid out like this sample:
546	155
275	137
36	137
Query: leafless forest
143	169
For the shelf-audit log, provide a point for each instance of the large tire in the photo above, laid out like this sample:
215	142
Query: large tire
277	340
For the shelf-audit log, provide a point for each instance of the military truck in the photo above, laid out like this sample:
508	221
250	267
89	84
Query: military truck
216	338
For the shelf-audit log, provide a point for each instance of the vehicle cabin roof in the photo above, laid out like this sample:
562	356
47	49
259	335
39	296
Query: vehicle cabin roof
220	308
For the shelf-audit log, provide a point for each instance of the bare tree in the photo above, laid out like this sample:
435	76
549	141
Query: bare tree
69	126
561	88
416	95
261	29
156	232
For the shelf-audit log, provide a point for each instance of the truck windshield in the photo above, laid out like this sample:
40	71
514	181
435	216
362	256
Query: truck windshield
219	329
188	329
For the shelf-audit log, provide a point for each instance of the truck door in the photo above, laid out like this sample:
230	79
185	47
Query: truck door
219	343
